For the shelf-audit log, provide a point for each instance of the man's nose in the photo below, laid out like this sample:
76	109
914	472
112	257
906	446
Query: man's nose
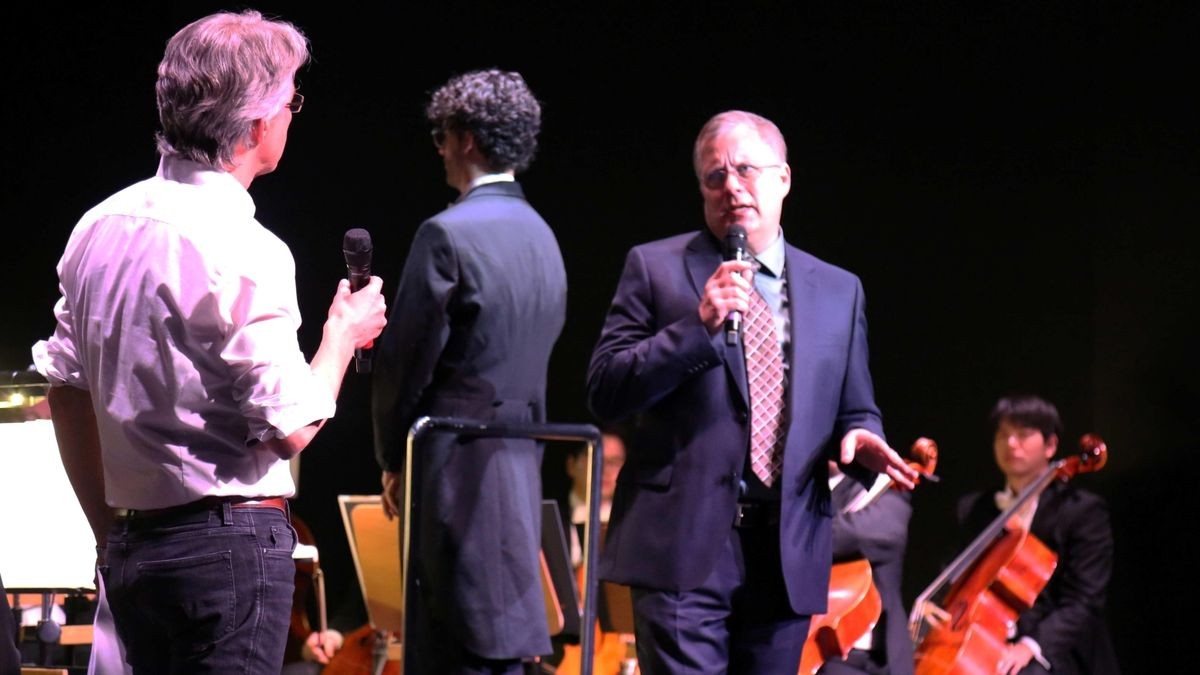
732	182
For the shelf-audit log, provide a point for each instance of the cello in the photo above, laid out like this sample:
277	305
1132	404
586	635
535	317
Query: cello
310	581
960	623
854	603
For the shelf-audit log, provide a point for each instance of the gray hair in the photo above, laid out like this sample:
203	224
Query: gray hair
722	122
217	76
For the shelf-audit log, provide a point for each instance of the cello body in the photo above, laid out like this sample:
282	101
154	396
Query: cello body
854	609
855	605
984	603
961	623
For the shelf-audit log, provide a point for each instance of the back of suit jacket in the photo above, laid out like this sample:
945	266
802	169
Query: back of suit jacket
481	301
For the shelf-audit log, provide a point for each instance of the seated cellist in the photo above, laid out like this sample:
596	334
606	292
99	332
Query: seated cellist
878	533
1064	632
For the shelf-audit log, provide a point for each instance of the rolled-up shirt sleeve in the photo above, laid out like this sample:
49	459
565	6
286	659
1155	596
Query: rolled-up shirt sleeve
275	387
57	359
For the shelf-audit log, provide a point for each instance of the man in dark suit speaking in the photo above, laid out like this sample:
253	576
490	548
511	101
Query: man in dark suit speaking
721	518
481	301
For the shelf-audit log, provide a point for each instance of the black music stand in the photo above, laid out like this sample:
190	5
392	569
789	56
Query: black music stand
558	568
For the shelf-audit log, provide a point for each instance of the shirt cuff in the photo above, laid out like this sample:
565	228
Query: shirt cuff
54	368
1037	651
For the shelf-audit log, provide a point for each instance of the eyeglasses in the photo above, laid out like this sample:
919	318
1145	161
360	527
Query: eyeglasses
439	136
296	103
713	180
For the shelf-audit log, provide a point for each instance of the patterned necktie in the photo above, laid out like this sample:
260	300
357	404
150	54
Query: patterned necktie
764	370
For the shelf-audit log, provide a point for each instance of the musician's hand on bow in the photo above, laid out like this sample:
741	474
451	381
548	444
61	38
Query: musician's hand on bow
320	647
1016	656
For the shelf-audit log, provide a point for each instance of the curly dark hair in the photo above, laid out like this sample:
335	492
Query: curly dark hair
498	109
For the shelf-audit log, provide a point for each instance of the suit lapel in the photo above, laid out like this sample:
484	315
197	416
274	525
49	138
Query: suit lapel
702	257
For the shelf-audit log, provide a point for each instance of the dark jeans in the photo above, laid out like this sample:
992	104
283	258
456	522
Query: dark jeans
202	592
739	621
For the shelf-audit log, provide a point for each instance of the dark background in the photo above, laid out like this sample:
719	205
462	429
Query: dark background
1016	186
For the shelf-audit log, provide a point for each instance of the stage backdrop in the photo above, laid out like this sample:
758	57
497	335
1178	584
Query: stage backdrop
1015	186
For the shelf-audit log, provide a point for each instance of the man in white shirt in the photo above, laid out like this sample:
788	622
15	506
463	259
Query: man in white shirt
179	388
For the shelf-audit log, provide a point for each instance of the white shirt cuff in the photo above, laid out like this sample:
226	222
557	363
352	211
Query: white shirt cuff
1037	651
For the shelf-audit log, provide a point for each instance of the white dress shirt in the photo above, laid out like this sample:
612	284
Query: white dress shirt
179	315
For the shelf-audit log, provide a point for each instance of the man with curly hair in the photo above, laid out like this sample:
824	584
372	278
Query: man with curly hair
481	301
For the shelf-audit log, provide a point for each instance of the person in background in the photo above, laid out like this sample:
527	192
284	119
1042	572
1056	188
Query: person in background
482	300
575	508
877	533
1064	633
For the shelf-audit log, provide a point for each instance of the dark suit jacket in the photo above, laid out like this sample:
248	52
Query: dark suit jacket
655	361
10	658
1066	621
481	301
879	533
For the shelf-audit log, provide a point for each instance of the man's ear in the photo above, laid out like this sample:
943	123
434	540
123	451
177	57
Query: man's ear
258	129
466	141
1051	446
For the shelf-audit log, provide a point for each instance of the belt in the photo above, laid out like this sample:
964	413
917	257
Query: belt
756	514
202	504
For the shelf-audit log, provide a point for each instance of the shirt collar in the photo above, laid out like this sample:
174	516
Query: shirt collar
187	172
773	257
491	178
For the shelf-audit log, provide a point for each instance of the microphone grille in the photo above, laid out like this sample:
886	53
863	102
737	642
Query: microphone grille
356	247
357	240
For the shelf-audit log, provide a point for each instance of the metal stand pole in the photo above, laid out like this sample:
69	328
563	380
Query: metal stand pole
541	432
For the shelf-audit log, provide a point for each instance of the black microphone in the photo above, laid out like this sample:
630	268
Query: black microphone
734	249
356	246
